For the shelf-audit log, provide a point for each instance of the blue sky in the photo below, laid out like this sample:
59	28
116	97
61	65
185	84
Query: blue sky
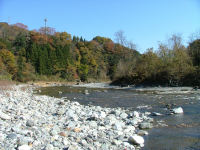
145	22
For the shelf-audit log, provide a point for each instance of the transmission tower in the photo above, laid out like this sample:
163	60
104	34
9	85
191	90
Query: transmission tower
45	25
45	28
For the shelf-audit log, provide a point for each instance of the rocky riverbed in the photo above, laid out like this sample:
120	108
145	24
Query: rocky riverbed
29	121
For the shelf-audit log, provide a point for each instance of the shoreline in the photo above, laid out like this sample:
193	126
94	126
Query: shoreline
43	122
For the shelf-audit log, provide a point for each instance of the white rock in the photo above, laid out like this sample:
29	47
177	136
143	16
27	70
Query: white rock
156	114
24	147
145	125
118	126
123	115
136	139
93	124
102	114
142	132
136	114
66	142
178	110
4	116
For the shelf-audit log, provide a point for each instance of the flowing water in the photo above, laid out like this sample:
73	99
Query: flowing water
171	132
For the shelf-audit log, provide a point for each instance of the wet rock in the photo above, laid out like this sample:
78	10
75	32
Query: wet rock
142	132
178	110
145	125
156	114
86	92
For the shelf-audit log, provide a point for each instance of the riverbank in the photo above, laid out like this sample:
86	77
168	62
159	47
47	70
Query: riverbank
41	122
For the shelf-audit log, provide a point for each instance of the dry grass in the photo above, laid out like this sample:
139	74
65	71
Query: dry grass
6	85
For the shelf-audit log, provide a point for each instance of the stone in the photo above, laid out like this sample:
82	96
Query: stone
66	142
123	115
136	114
102	115
29	123
178	110
60	111
116	142
72	124
145	125
136	139
156	114
77	130
142	132
49	147
62	134
73	147
92	124
12	136
129	129
84	142
118	126
24	147
86	92
4	116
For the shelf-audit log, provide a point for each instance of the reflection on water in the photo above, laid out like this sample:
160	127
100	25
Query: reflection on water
182	131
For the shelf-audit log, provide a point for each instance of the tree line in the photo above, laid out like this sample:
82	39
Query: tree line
45	54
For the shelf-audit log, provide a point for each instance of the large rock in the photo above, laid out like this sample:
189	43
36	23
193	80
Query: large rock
24	147
178	110
136	139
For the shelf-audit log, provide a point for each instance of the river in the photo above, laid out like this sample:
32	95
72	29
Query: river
170	132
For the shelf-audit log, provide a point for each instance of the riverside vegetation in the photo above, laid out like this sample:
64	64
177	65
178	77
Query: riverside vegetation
48	55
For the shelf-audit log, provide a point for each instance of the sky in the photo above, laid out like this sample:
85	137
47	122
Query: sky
144	22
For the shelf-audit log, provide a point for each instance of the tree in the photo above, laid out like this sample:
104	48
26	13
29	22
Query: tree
47	30
21	25
120	37
8	60
194	52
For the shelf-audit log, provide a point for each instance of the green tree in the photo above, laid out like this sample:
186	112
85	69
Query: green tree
194	52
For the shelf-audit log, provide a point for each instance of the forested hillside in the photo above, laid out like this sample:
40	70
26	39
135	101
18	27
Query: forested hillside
46	54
